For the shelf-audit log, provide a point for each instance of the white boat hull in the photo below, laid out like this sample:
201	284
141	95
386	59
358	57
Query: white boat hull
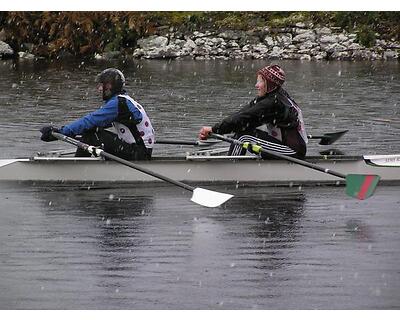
211	169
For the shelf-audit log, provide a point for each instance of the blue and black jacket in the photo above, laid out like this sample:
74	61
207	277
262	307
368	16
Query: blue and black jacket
102	117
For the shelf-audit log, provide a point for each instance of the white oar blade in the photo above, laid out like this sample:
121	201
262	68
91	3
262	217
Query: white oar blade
5	162
209	198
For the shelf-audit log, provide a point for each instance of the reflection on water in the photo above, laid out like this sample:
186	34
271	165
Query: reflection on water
151	248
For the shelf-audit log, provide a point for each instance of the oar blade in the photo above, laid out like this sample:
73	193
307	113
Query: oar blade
209	198
361	186
329	138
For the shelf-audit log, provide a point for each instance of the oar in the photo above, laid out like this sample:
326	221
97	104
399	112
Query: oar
328	138
205	143
360	186
200	196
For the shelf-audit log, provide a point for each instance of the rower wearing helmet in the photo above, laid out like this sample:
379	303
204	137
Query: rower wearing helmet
132	136
272	120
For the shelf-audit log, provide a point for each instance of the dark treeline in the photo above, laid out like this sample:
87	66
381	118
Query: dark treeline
52	34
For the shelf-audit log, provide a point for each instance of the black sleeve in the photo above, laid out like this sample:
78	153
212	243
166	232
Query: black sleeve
250	117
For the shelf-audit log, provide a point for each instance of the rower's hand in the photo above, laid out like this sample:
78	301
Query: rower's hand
204	133
46	133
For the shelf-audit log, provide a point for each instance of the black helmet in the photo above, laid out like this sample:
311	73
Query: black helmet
113	76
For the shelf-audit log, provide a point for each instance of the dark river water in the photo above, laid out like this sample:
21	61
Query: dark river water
149	247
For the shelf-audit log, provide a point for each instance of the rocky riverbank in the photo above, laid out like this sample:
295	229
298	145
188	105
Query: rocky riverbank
298	42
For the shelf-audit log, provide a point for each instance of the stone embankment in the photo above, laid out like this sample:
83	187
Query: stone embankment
300	42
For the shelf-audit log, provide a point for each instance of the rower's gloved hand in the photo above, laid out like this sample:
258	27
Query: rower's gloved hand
46	133
204	133
250	148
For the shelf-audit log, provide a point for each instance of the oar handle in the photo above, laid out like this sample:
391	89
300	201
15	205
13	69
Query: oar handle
180	142
198	143
101	153
310	136
282	156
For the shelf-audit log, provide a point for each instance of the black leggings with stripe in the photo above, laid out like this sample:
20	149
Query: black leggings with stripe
266	142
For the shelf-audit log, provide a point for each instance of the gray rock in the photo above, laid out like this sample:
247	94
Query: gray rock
178	42
262	48
341	55
333	47
231	35
393	45
189	46
166	52
197	34
303	51
365	54
320	56
390	55
247	48
307	45
328	39
348	43
202	51
199	41
217	42
298	31
26	55
323	31
248	39
300	25
355	46
109	55
342	37
138	53
152	42
276	52
307	35
317	51
291	56
233	44
269	41
284	39
305	57
5	50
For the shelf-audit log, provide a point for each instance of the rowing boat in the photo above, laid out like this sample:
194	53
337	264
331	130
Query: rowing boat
199	168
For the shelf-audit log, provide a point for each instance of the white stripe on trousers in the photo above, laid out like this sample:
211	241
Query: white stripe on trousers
279	148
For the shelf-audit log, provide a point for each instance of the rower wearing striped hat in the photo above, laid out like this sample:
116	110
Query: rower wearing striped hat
272	120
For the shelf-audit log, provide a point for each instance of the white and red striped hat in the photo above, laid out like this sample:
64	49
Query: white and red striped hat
273	75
